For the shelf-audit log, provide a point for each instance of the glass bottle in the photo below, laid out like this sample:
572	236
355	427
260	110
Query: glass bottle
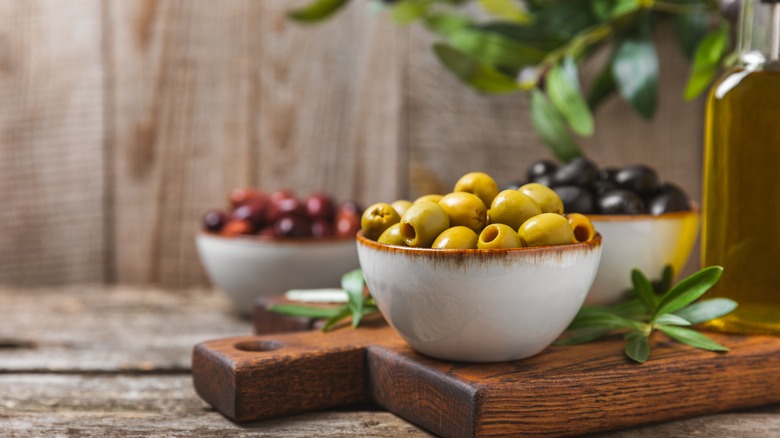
741	202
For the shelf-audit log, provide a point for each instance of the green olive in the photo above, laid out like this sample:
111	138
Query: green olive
544	197
392	236
431	197
465	209
546	229
480	184
401	206
581	226
377	218
499	236
422	223
512	208
456	238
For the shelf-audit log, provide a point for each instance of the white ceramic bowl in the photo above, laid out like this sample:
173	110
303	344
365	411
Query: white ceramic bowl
246	268
646	242
477	305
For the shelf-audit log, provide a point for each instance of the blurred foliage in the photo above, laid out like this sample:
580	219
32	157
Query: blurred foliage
537	46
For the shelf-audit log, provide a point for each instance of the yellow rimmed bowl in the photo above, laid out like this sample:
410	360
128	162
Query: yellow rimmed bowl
646	242
479	305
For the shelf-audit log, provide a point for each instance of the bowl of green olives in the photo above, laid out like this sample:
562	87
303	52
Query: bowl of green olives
646	223
478	275
266	244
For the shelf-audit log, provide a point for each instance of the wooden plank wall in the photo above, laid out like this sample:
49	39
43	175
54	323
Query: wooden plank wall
125	120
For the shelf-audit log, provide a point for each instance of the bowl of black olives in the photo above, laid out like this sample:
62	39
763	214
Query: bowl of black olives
268	243
646	223
478	274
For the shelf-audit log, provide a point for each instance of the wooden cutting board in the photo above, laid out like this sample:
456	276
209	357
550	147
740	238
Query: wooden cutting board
563	391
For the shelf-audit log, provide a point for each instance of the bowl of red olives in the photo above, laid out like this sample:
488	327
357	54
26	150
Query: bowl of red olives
646	223
268	243
478	275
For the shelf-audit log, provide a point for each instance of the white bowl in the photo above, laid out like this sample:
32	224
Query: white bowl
247	268
479	305
646	242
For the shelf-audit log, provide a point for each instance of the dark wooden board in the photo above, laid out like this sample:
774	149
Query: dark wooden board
563	391
267	322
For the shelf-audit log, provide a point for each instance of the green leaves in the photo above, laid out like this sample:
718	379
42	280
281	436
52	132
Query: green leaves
668	313
358	305
474	73
317	10
706	310
508	10
635	70
551	127
494	49
706	61
563	88
692	338
688	290
638	347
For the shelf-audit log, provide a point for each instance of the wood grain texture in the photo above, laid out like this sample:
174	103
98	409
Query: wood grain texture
51	142
181	94
564	391
97	329
46	405
329	102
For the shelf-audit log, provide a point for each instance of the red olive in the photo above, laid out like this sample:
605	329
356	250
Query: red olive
244	195
319	206
235	227
254	212
321	228
214	221
292	226
347	224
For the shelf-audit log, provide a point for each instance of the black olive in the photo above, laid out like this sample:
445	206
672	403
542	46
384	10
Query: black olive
575	199
638	178
620	202
577	172
607	174
541	167
670	198
603	186
545	180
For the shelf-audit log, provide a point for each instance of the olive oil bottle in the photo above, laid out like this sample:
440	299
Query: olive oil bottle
741	202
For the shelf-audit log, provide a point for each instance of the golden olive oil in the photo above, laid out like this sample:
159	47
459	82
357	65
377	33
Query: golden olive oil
741	206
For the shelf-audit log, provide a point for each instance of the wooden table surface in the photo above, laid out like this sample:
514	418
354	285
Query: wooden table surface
98	361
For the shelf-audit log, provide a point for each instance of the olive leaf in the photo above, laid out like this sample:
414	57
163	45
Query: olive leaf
445	24
358	305
552	128
638	347
474	73
563	88
509	10
602	87
706	61
317	10
690	29
407	11
668	313
494	49
635	69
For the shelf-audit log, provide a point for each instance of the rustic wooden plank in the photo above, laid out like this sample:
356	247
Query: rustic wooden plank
329	101
594	387
91	406
51	142
98	329
180	114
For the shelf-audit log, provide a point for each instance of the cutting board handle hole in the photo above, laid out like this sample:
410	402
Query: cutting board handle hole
259	346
